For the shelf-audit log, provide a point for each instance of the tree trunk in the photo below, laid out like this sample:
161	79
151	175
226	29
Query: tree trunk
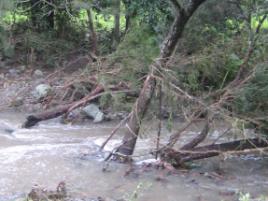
93	36
116	33
50	17
130	13
50	20
138	112
142	103
33	18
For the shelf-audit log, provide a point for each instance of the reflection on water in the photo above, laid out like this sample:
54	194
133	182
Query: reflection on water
51	152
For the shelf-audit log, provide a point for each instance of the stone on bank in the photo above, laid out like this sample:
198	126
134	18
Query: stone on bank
94	112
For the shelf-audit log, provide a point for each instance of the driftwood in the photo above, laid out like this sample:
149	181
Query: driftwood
178	158
33	119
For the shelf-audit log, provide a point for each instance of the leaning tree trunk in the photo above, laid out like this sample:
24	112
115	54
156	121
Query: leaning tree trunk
167	49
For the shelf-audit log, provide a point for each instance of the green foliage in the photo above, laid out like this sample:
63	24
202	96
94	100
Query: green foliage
214	66
157	14
10	18
253	97
47	47
116	102
151	11
5	5
136	52
207	25
6	47
133	56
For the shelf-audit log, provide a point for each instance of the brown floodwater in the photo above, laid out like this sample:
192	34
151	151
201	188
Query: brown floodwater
51	152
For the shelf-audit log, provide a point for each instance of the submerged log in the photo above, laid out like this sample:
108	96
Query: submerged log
178	158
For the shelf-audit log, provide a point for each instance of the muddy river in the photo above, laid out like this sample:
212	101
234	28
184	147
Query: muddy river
52	152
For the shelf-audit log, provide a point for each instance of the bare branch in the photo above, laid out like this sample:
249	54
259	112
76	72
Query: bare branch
199	138
114	132
175	137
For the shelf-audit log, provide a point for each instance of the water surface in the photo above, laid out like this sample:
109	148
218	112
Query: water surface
52	152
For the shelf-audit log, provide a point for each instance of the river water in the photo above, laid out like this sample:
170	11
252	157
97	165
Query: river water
52	152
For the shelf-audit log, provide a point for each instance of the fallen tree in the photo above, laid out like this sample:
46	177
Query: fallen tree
98	91
33	119
178	157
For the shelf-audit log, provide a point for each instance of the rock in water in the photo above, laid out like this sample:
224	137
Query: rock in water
42	90
94	112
